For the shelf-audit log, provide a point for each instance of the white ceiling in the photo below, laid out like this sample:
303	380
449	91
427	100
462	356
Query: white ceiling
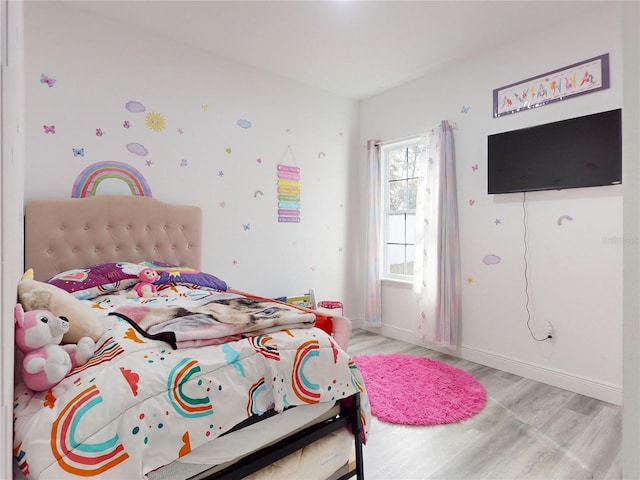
352	48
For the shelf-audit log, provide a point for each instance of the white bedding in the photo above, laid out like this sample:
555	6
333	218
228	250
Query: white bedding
139	404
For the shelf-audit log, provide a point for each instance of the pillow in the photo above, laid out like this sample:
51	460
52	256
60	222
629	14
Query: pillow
176	274
83	321
91	282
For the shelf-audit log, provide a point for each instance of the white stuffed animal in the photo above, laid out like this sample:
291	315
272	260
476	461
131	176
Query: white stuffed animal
46	362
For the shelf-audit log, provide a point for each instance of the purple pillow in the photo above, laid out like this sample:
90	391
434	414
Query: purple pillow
90	282
176	274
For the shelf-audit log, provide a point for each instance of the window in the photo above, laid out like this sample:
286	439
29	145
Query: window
402	172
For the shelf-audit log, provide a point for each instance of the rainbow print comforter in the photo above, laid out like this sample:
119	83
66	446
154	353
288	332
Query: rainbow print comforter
139	404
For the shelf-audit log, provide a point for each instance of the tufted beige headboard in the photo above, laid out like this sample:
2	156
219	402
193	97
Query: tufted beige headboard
75	233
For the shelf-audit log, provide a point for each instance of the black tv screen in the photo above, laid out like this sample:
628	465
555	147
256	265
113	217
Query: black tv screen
579	152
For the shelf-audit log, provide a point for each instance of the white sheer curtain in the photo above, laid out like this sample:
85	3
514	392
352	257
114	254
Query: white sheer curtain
437	264
373	315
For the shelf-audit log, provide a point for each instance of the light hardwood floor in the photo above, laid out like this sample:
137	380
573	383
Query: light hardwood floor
527	430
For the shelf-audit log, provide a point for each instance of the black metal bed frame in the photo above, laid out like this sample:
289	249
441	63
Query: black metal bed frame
349	416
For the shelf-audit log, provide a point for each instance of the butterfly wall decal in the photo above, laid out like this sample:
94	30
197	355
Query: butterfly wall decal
45	80
49	128
78	152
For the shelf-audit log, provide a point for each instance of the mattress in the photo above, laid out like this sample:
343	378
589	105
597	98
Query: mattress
331	452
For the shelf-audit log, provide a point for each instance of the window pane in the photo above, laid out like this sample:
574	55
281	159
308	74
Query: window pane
415	166
411	228
411	255
397	164
404	167
395	229
398	195
412	162
395	259
412	186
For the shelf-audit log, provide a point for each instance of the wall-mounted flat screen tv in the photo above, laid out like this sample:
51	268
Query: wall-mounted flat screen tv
579	152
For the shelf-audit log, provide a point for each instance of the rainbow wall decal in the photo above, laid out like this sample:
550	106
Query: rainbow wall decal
87	182
75	456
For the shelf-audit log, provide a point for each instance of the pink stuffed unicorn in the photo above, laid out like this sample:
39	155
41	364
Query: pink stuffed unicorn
46	363
146	288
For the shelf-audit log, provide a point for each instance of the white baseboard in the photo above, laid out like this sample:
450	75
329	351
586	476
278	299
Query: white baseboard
557	378
399	334
388	331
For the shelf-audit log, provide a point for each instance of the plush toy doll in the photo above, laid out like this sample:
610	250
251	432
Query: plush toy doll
146	288
46	362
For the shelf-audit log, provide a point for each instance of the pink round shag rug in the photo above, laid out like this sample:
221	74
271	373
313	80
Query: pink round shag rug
414	390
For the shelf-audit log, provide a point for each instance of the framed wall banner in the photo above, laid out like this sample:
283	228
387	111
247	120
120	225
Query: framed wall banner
580	78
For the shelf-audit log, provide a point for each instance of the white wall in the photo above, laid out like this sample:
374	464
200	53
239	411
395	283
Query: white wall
99	66
575	269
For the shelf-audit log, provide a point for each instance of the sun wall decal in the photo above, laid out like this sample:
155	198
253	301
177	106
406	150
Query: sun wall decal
155	121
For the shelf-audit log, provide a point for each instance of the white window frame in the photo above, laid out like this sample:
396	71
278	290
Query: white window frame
387	213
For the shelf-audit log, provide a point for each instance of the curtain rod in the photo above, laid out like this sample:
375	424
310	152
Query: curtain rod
453	126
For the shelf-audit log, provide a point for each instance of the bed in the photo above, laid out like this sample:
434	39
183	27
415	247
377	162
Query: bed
165	396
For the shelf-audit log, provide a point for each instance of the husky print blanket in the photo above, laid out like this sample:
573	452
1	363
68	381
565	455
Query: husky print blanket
139	404
215	318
